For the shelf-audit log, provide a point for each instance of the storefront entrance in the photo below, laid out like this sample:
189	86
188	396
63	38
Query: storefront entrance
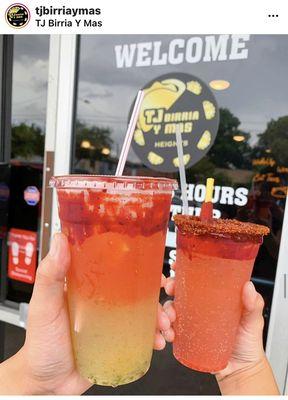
82	131
24	77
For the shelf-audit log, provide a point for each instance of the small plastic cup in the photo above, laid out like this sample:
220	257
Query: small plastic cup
213	262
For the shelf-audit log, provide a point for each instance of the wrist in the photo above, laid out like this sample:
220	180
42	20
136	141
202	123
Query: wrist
13	376
255	378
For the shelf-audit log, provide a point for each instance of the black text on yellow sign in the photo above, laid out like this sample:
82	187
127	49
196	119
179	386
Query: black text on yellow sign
171	100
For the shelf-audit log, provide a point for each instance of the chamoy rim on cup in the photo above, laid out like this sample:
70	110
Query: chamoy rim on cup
233	229
126	205
111	182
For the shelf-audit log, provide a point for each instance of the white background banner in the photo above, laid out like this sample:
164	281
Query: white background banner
128	16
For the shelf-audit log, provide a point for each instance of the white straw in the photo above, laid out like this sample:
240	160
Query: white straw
129	134
183	182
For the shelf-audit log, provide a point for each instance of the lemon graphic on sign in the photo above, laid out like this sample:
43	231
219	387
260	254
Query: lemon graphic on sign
209	109
194	87
139	137
159	95
155	159
186	159
204	141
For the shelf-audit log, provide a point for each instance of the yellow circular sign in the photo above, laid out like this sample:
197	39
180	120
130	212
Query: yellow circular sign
171	100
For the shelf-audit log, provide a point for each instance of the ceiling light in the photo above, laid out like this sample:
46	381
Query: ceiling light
219	84
105	151
238	138
85	144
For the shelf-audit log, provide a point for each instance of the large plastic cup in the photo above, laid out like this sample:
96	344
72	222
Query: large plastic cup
116	227
214	260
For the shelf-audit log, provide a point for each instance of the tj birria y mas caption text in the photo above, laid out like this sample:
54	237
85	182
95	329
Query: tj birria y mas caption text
68	17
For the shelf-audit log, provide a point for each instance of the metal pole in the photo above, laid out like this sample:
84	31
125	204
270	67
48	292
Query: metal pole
60	119
51	118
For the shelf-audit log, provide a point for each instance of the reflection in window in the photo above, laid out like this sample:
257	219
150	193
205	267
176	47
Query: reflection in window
249	158
93	148
30	76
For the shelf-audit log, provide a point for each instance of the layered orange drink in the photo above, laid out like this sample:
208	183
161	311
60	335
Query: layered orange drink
116	227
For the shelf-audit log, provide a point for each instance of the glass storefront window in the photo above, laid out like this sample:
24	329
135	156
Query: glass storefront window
249	158
29	96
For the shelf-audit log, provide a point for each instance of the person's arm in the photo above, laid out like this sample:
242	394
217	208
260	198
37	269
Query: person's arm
45	364
12	376
248	371
256	379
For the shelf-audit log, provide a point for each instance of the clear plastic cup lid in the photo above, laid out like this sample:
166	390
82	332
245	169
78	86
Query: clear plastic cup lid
112	182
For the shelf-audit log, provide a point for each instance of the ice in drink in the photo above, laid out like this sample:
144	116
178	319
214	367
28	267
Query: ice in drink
116	229
214	260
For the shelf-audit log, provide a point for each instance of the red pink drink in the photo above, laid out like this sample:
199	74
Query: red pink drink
214	260
116	229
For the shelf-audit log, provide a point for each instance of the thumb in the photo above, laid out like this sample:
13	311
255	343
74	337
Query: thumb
48	293
252	317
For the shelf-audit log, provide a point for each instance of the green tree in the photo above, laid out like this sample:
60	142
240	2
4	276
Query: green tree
226	152
204	168
201	170
275	140
27	141
90	141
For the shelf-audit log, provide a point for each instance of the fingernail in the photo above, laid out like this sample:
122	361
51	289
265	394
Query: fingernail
164	315
165	320
53	252
251	286
163	343
252	290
